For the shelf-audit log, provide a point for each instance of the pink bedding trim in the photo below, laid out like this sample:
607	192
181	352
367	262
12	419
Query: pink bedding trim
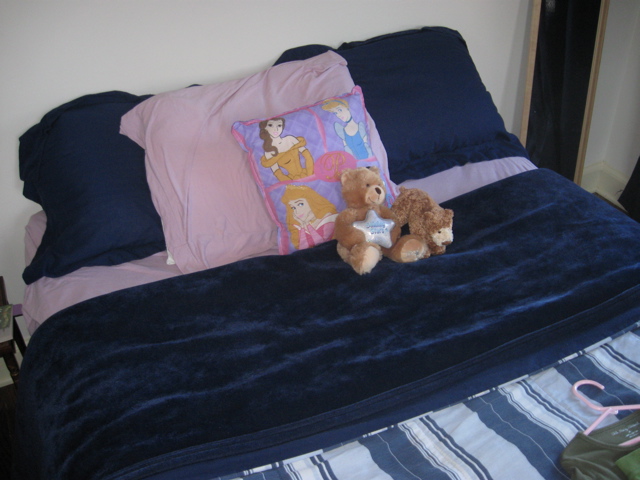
456	181
47	296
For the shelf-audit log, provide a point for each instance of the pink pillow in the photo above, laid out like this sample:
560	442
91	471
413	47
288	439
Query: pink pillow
297	158
201	184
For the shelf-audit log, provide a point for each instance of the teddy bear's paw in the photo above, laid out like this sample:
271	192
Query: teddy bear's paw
413	250
369	258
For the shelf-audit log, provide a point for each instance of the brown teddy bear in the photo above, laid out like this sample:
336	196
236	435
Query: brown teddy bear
425	217
367	229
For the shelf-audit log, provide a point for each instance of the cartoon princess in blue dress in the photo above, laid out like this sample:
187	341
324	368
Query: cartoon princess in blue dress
353	134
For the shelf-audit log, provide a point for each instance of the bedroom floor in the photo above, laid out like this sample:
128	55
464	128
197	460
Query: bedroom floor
7	412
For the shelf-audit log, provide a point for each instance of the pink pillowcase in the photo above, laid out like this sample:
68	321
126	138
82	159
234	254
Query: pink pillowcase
201	184
297	158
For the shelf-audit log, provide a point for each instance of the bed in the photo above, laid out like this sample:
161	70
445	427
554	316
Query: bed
181	330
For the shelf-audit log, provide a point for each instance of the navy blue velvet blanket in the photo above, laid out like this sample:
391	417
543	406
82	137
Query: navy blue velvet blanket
252	362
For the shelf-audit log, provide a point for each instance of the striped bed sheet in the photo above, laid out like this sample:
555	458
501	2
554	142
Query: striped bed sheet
514	431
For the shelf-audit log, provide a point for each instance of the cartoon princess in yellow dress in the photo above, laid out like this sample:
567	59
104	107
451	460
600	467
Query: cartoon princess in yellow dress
284	152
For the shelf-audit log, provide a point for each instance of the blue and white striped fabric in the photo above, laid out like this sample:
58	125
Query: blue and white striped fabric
515	431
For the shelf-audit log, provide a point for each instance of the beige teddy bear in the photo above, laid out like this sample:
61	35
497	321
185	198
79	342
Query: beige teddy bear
367	229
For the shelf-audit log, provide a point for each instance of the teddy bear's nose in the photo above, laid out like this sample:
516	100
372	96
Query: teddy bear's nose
378	190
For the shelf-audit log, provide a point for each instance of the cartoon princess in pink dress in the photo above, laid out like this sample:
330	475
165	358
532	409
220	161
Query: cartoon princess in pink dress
310	217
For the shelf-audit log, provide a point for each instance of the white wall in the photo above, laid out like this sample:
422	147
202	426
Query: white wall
614	137
53	52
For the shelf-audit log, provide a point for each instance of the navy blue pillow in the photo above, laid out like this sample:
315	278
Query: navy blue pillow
90	180
427	99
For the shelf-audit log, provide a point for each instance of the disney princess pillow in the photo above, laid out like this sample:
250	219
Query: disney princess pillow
297	159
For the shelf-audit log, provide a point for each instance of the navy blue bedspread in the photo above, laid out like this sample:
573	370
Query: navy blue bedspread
252	362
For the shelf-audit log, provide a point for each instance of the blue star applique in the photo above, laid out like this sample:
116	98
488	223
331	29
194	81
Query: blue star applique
376	230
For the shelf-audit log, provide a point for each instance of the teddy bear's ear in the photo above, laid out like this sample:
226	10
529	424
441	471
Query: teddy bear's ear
375	170
344	175
448	212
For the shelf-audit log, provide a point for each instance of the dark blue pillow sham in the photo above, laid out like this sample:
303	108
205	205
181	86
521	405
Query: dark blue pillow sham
91	183
430	106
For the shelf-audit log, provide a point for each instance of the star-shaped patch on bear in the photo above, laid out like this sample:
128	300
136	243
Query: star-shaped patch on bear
376	230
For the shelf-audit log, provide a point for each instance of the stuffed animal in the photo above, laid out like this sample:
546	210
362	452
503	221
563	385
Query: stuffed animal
367	229
425	217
